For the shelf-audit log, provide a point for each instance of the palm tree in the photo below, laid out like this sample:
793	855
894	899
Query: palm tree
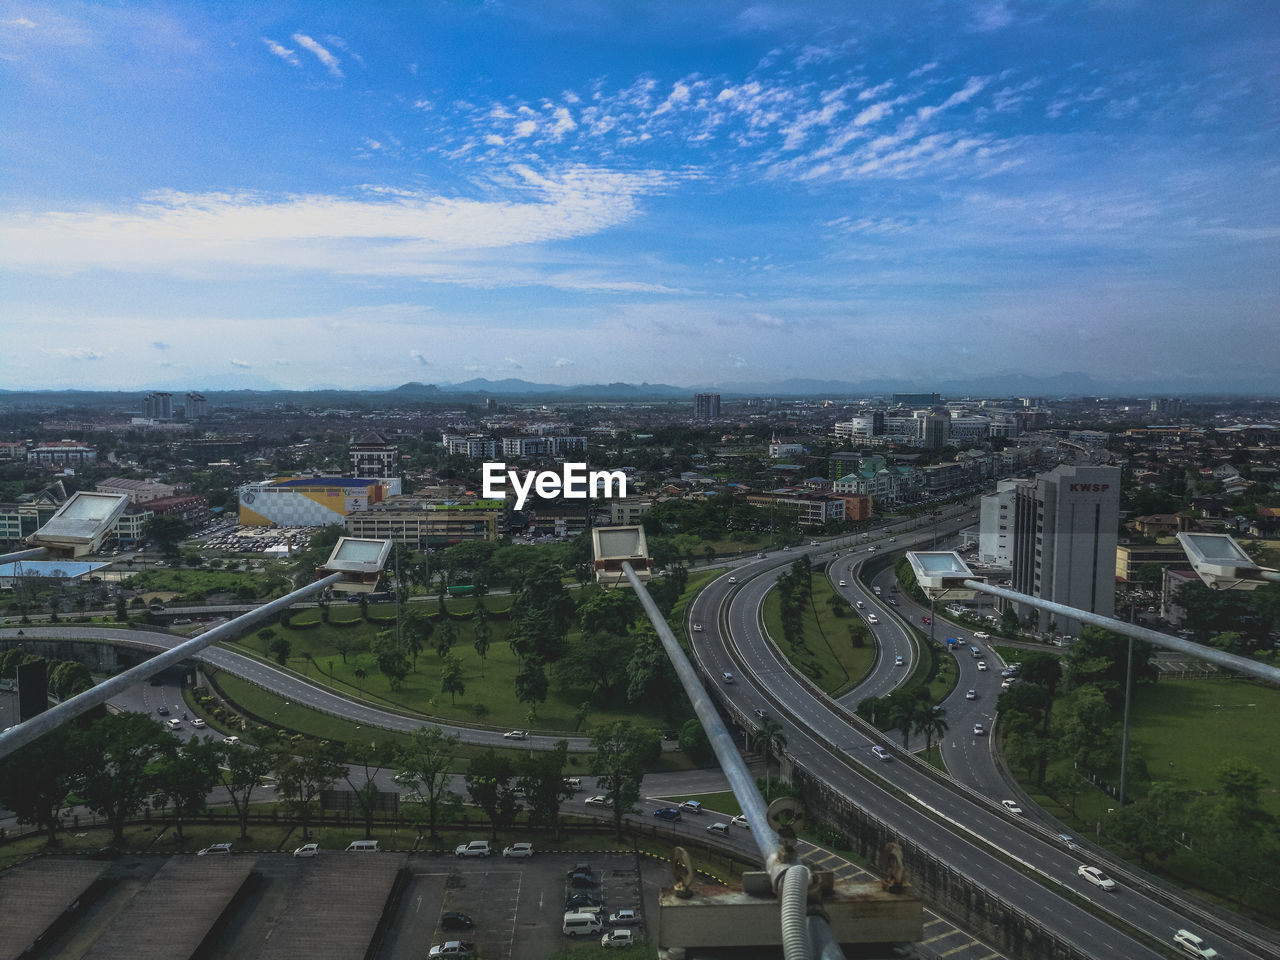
771	738
931	723
903	711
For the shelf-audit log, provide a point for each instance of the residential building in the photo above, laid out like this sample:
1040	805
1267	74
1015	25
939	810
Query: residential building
13	450
706	406
475	445
1064	549
532	448
372	456
158	406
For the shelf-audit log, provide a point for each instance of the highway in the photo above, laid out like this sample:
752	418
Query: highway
957	825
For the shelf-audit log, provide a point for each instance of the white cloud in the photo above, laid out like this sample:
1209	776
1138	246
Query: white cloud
242	364
284	53
561	362
332	63
525	128
513	363
874	113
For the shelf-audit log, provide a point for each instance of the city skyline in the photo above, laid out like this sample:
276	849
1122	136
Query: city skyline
716	193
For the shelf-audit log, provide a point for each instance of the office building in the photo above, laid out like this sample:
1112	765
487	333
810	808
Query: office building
995	526
706	406
1065	536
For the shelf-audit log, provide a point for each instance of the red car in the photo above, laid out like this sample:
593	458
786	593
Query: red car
926	621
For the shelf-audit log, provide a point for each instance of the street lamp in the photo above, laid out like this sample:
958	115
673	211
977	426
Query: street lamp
1222	563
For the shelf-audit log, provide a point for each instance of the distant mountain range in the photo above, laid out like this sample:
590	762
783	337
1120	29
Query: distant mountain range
1007	384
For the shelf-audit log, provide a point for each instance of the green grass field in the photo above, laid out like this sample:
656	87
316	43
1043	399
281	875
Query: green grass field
832	661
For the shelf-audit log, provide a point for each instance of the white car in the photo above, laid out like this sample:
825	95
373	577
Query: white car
598	802
214	848
518	850
1193	946
452	948
872	618
898	661
516	735
618	938
198	723
697	628
624	918
881	753
741	821
476	848
1011	806
1097	877
231	741
982	666
733	579
971	695
307	850
844	583
981	636
979	730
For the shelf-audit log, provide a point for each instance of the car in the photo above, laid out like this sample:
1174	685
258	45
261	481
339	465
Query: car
580	900
741	821
1068	841
307	850
898	661
198	723
580	868
733	579
693	806
1008	682
844	583
1096	877
476	848
981	636
624	918
518	850
718	827
697	628
971	695
582	880
453	948
893	539
598	802
762	713
872	618
453	920
214	848
231	741
891	602
979	730
727	677
618	938
173	723
1192	945
668	813
573	783
759	556
1011	806
982	666
162	710
813	543
786	548
881	753
516	735
926	621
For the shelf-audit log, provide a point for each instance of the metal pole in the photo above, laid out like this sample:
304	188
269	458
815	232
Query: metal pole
30	731
1223	659
35	553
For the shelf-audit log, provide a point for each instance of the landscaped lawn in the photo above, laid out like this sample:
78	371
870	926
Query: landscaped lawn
832	661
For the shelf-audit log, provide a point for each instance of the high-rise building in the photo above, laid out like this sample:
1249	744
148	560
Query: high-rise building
372	456
916	399
197	406
706	406
158	406
1064	545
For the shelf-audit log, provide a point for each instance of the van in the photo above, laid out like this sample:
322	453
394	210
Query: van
362	846
976	651
580	924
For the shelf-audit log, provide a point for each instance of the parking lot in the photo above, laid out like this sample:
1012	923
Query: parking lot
517	905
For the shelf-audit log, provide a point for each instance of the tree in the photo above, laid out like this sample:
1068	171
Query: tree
36	780
542	781
166	532
68	678
1098	657
119	750
243	770
1009	622
361	773
184	778
542	614
1088	733
608	612
445	638
489	783
902	713
620	753
122	610
931	723
597	661
771	739
423	764
451	681
693	741
392	662
650	675
531	683
280	649
301	777
482	631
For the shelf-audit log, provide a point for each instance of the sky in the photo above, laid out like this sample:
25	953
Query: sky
359	195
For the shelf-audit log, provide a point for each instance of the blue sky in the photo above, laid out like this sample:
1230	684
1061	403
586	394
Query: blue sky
359	195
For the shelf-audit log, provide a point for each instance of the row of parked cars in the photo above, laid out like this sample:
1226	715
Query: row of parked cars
585	916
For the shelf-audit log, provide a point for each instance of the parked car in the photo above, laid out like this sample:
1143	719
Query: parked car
307	850
476	848
518	850
580	900
624	918
1096	877
516	735
214	848
668	813
453	920
580	868
1011	806
453	948
582	880
618	938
